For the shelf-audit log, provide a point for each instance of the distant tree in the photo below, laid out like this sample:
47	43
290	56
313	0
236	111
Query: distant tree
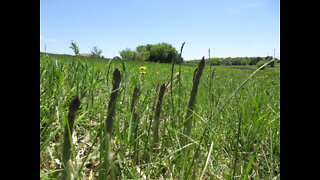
254	60
95	52
128	55
260	63
214	61
236	61
269	58
75	48
179	59
143	53
227	61
162	52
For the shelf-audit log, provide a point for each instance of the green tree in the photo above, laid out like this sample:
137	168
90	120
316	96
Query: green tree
143	53
227	61
95	52
214	61
75	48
269	58
162	52
254	60
260	63
128	55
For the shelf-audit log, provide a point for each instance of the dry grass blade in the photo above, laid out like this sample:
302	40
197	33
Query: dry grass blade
207	161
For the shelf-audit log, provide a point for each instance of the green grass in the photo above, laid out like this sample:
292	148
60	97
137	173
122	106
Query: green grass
237	137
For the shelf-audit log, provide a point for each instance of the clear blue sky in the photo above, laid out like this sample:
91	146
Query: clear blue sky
230	28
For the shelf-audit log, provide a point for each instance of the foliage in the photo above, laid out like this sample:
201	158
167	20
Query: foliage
231	61
95	52
269	58
254	60
260	63
214	61
128	55
161	52
143	52
75	48
179	59
230	137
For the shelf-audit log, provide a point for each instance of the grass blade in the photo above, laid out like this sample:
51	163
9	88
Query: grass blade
156	118
109	123
66	154
192	100
207	161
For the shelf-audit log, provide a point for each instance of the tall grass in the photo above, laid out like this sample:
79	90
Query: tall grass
235	126
192	100
67	145
156	119
106	149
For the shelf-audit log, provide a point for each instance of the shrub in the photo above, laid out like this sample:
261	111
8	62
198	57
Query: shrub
260	63
268	58
254	60
128	55
226	61
143	53
214	61
162	52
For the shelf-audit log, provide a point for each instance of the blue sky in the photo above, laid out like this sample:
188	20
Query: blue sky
230	28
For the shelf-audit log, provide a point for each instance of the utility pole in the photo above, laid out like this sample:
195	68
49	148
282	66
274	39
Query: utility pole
45	48
209	53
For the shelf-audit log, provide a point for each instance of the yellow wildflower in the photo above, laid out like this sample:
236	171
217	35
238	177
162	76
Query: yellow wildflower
143	72
142	68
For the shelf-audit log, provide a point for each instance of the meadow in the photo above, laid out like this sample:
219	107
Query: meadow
235	130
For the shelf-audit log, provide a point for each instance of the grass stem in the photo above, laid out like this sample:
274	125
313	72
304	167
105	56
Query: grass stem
67	145
192	100
156	119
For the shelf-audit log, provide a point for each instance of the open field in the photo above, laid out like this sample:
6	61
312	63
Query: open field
235	132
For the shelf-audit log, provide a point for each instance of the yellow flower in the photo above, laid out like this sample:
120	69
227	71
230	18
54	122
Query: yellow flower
142	68
142	72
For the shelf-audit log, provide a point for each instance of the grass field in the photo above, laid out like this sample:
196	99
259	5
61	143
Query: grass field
235	132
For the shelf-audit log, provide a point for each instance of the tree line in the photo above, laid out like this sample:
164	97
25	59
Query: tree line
166	53
232	61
